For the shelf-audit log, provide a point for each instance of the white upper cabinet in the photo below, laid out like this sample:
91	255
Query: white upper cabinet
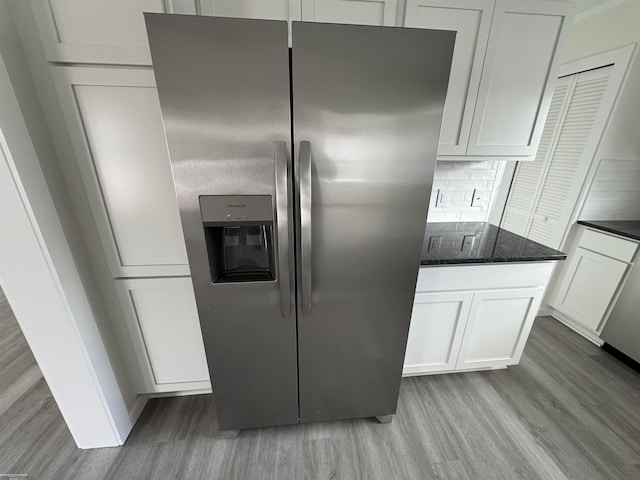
519	72
359	12
95	31
116	128
471	20
113	31
266	9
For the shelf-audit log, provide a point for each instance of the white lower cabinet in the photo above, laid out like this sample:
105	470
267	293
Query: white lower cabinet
483	325
589	283
162	322
498	327
435	335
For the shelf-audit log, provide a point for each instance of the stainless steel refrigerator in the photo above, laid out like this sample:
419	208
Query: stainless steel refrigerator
303	178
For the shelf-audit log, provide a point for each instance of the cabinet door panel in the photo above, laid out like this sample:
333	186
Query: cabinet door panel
529	176
471	21
266	9
163	323
589	282
116	126
437	324
357	12
498	327
97	31
519	70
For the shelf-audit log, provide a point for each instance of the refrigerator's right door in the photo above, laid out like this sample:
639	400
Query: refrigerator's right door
368	104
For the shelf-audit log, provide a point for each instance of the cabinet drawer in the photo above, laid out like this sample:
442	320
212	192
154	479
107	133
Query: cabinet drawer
608	245
439	278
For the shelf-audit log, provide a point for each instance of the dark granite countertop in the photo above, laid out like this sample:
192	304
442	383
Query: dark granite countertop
448	243
625	228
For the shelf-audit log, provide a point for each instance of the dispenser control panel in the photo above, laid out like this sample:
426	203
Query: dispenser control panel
236	208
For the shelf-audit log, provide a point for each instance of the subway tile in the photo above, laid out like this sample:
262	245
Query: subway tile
435	216
456	196
473	216
473	165
451	175
482	174
466	185
462	207
443	164
439	185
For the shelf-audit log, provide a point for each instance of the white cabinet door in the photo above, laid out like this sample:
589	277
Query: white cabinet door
589	282
162	322
116	128
519	72
471	20
528	176
357	12
113	31
437	325
498	327
266	9
94	31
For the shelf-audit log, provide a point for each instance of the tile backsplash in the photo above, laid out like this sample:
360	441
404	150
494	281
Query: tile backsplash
466	189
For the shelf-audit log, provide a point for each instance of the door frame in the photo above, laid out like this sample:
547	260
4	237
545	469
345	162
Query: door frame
36	261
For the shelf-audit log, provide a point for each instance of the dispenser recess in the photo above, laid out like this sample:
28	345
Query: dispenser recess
238	230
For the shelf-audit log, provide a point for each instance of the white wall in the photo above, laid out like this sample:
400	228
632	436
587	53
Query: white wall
604	28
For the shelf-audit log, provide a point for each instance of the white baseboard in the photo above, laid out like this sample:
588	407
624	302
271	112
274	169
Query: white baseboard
545	311
578	328
181	393
485	369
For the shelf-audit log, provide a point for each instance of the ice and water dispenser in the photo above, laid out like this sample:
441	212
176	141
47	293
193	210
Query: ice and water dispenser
239	236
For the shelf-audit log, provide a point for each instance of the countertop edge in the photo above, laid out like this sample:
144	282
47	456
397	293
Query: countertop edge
604	228
483	261
490	245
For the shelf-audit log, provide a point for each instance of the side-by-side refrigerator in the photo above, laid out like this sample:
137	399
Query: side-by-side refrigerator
303	178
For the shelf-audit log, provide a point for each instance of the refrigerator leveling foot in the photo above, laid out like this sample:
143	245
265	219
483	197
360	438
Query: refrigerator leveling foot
384	418
229	434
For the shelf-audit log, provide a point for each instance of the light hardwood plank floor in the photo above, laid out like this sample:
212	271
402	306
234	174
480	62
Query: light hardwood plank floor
568	410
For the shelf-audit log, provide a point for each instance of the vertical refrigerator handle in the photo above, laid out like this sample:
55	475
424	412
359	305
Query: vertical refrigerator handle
282	219
305	224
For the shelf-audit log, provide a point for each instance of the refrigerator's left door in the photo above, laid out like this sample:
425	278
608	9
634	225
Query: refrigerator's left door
223	85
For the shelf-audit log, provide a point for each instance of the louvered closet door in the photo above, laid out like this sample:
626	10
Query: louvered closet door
528	175
563	181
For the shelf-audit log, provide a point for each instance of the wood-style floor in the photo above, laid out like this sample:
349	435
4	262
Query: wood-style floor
568	410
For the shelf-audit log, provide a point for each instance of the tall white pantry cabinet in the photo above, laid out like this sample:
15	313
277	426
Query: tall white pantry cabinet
504	68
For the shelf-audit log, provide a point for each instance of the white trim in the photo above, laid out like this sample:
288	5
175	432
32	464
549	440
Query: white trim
597	7
90	400
545	311
468	158
136	410
500	193
407	374
621	58
181	393
576	327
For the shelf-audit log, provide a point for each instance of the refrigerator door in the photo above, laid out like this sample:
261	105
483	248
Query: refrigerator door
223	85
367	105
